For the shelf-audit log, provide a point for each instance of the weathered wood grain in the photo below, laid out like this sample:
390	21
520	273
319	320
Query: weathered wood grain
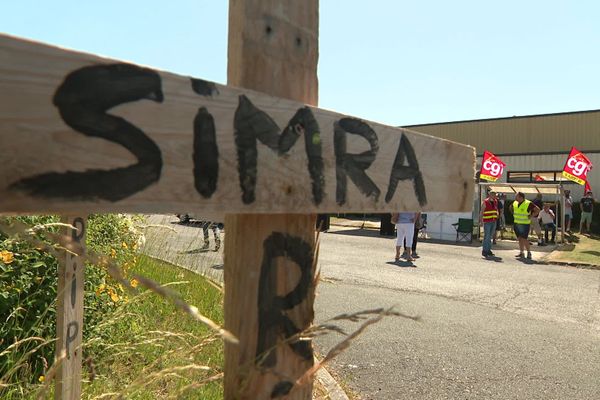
69	312
161	123
269	258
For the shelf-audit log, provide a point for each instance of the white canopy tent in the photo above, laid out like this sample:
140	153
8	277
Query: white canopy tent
555	190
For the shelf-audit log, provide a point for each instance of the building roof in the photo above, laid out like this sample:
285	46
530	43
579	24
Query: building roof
540	134
526	188
503	118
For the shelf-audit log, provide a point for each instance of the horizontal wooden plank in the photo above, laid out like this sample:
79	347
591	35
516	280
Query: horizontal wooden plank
81	133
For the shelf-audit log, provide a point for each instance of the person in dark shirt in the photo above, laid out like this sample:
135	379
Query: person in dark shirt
501	222
587	209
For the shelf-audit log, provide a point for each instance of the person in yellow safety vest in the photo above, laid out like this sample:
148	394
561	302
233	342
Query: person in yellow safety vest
489	218
523	210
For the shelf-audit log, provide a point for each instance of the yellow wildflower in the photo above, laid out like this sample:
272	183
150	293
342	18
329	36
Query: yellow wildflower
135	246
100	289
113	296
42	378
7	257
134	283
113	253
124	245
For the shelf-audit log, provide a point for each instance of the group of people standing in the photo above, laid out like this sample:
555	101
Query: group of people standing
528	215
524	212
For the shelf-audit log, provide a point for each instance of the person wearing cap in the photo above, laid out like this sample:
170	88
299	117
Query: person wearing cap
568	210
489	216
587	209
523	211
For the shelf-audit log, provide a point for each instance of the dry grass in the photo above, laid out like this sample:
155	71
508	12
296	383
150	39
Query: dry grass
582	249
147	349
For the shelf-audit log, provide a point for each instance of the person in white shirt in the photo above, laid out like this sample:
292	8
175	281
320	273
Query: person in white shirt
547	217
405	223
568	210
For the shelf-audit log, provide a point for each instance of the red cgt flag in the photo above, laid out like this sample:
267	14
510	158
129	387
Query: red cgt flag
491	167
577	167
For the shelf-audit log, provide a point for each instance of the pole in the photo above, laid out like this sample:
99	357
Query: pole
69	311
477	216
269	265
562	214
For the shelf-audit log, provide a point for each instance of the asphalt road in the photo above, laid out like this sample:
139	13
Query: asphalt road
182	244
488	330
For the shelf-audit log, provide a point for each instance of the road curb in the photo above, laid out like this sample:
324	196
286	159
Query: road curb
574	265
333	388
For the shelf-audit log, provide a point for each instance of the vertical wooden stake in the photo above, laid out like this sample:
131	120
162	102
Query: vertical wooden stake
269	295
69	312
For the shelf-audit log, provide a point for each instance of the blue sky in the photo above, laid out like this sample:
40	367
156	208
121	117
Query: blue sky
395	62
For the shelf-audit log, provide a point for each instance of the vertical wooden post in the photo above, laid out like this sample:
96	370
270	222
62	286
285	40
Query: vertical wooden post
69	313
269	269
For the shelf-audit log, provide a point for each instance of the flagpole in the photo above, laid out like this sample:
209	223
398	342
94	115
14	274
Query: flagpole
562	214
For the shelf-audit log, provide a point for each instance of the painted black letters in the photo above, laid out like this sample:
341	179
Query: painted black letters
72	332
402	172
83	100
206	154
354	165
251	124
272	322
204	88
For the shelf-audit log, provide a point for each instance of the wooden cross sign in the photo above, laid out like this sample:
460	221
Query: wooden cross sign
81	134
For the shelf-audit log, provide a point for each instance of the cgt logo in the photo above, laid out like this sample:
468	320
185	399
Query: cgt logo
578	167
493	167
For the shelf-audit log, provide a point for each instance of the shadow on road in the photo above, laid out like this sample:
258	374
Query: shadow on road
404	264
527	261
196	224
195	251
375	233
493	258
360	232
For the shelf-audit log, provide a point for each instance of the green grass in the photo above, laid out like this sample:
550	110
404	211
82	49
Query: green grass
583	249
147	349
151	350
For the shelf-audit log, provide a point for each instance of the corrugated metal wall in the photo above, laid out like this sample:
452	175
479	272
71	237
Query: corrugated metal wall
534	134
